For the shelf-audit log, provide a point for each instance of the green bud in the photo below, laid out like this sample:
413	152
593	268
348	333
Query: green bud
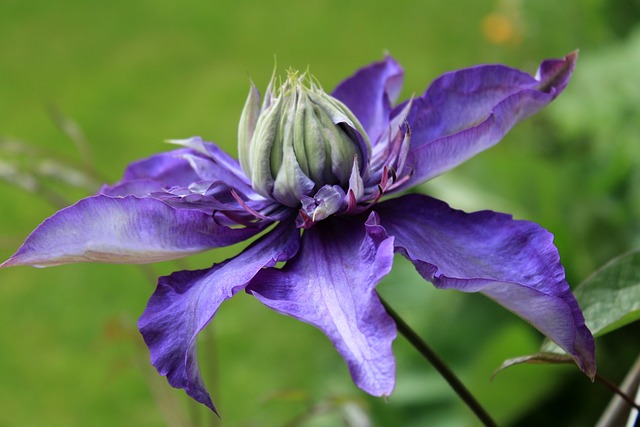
299	140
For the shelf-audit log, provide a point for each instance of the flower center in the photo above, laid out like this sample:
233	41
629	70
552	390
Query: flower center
300	140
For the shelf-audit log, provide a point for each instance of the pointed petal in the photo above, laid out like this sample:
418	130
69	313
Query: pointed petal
123	230
356	184
247	126
154	174
222	167
331	284
199	161
186	301
467	111
328	200
513	262
369	94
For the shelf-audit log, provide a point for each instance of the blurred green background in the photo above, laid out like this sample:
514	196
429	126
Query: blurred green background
131	74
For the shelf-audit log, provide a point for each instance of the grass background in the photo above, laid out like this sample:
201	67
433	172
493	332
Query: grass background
134	73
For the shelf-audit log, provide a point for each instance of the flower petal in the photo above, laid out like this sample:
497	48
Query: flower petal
123	230
220	166
154	174
467	111
331	284
369	94
186	301
513	262
328	200
199	161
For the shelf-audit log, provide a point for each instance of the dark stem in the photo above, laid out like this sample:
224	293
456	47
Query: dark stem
440	366
614	388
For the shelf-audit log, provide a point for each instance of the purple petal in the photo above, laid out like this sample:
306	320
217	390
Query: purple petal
154	174
328	200
200	161
331	284
216	165
513	262
123	230
369	94
186	301
227	205
465	112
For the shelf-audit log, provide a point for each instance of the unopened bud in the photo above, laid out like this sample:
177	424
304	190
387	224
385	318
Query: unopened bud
299	140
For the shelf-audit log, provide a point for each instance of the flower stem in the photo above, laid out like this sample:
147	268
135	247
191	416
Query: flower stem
617	390
426	351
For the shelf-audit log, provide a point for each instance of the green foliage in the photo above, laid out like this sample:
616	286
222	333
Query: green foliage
610	299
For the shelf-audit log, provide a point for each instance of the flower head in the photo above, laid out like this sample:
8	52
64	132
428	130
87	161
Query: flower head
323	163
301	140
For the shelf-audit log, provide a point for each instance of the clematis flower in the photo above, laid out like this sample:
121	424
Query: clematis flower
319	182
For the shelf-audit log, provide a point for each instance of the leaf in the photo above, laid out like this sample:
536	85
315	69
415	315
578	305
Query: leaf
609	299
542	357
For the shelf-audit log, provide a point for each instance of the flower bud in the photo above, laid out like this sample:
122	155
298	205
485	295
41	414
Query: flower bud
299	140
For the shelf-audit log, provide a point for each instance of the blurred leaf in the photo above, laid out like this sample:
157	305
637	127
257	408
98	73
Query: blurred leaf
354	415
43	173
610	298
541	357
332	411
76	135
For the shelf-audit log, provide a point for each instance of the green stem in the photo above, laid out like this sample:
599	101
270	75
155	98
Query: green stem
440	366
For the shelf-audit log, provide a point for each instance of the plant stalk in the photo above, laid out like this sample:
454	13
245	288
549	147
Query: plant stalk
444	370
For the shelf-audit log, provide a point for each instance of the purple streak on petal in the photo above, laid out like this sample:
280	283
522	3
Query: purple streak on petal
123	230
467	111
513	262
186	301
331	284
370	93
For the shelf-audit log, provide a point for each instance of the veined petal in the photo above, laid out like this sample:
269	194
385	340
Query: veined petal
223	168
199	161
369	94
513	262
154	173
330	284
467	111
123	230
186	301
327	201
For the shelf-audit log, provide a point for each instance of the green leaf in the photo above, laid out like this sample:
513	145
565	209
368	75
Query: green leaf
610	298
542	357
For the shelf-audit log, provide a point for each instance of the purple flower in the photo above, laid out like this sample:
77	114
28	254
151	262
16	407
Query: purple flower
314	174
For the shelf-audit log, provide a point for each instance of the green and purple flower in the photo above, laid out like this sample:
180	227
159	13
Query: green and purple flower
319	180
